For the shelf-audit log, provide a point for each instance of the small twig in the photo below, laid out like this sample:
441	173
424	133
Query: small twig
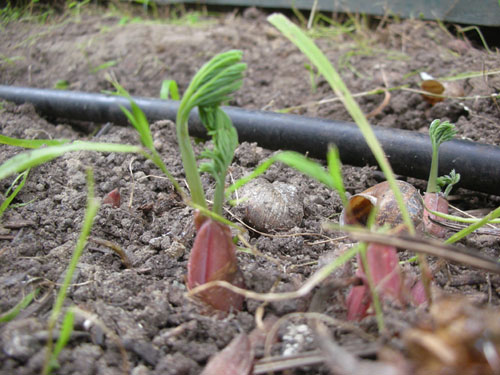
469	215
117	249
113	336
340	361
314	280
429	247
311	16
19	224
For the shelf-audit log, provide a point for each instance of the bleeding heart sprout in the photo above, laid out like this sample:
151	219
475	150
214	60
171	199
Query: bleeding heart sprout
213	255
439	132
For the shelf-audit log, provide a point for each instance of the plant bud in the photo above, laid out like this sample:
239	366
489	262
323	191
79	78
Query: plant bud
113	198
383	262
213	257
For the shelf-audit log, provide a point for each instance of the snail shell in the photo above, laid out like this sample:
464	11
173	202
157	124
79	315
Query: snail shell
381	195
273	206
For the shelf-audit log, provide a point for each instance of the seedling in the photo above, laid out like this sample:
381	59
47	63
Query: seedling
169	89
52	352
439	133
14	312
446	182
308	47
213	255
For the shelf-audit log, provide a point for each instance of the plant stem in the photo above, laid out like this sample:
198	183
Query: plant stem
433	175
218	198
91	211
379	314
189	159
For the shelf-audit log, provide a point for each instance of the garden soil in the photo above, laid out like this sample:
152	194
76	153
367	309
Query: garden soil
133	312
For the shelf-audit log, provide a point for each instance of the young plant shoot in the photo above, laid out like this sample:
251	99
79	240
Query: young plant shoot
439	132
213	256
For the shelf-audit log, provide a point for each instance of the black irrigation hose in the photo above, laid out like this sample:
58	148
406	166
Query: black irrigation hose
409	152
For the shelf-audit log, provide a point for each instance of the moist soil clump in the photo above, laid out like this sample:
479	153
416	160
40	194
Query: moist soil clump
143	322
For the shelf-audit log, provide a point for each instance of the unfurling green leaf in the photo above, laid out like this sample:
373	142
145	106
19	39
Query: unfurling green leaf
448	181
439	133
225	141
214	83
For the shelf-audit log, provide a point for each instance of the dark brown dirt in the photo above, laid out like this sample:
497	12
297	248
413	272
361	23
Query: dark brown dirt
145	306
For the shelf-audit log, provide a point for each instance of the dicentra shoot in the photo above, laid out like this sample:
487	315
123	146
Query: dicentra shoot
213	256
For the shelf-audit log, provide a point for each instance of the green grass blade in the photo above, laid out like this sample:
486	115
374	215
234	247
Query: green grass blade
10	198
137	117
139	121
26	160
335	168
260	169
294	160
90	213
64	336
103	66
31	143
471	228
306	166
170	89
309	48
12	313
460	219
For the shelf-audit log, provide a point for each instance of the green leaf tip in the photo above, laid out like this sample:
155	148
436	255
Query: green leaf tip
215	82
446	182
211	86
441	132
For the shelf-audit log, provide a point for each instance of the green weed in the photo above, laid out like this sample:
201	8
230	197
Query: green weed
103	66
61	84
10	196
52	352
14	312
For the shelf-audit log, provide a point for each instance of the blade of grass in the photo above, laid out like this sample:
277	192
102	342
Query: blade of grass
467	220
168	89
31	143
106	65
26	160
297	161
140	122
309	48
10	198
90	213
137	117
335	168
12	313
64	336
471	228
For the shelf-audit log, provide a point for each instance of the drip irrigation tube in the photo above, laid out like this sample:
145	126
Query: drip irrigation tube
409	152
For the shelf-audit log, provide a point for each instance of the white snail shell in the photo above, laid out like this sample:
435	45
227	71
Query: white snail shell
381	195
275	206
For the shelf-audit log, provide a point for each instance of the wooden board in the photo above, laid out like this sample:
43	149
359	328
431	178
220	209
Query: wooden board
474	12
